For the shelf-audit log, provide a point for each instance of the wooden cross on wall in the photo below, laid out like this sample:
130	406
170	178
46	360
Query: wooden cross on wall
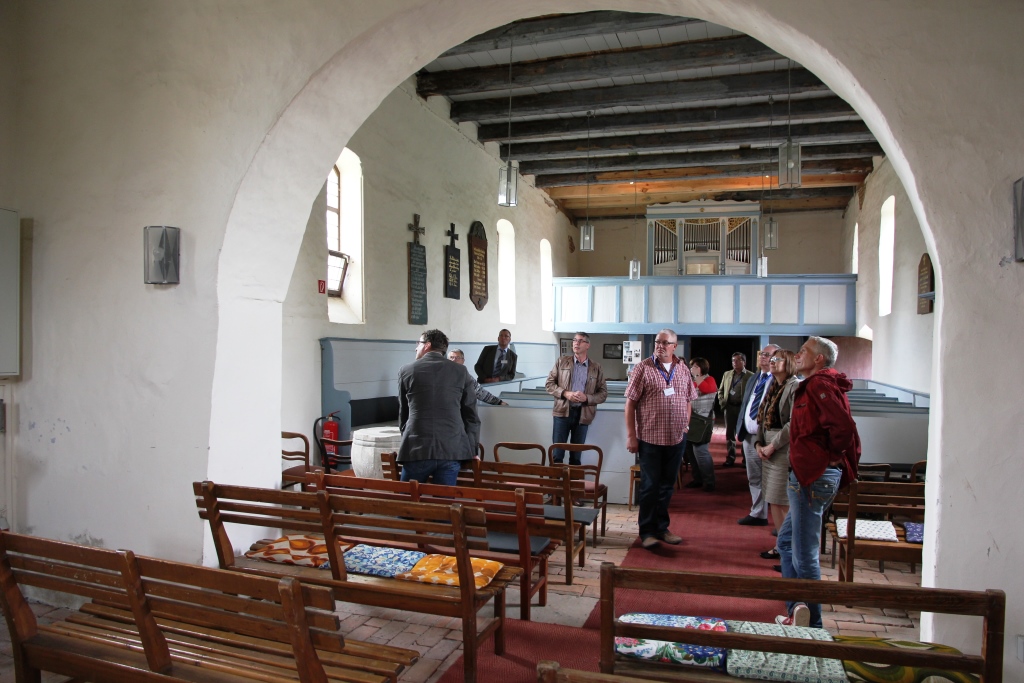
452	237
416	228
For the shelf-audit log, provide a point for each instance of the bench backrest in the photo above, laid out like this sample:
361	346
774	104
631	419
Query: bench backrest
880	498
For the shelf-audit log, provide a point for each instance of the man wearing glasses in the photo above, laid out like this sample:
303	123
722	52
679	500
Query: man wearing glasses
658	406
436	413
746	432
578	385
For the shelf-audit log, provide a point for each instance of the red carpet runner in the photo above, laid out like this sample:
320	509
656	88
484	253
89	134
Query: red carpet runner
712	543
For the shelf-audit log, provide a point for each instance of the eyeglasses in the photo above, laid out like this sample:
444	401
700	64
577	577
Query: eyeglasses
659	342
580	341
776	359
421	341
763	354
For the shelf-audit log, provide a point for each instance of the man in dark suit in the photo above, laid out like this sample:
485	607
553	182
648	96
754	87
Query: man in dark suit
497	363
436	413
746	432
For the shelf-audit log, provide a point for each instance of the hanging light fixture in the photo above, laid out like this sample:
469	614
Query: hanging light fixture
769	225
508	175
586	229
634	263
789	152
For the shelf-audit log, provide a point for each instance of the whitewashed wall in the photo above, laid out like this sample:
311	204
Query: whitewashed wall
902	341
224	121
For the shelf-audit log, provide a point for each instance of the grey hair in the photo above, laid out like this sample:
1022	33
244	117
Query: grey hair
457	352
827	348
675	337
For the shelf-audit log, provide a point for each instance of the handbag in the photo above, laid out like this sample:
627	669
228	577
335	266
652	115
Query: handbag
700	430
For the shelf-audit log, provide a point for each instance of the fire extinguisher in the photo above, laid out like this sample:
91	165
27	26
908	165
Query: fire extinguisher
329	430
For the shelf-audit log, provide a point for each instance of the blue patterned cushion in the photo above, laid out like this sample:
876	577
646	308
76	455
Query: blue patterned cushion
915	532
368	559
666	651
775	666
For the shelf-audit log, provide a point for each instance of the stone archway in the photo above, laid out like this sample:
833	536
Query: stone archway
855	53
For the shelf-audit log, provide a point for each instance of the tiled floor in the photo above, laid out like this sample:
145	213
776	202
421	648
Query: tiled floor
439	641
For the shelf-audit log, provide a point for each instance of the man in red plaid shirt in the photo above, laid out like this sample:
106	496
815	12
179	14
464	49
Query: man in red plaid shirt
658	405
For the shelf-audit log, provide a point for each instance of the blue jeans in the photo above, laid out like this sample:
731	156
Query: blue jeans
568	430
800	535
659	467
445	472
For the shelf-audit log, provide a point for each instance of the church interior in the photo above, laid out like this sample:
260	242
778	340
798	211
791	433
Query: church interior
641	142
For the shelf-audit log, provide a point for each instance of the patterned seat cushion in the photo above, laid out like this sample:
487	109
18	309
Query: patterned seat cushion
775	666
915	532
667	651
303	550
444	569
864	672
869	530
386	562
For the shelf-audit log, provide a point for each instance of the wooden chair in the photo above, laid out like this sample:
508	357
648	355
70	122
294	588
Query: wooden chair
296	474
520	446
595	490
634	479
865	472
393	470
917	471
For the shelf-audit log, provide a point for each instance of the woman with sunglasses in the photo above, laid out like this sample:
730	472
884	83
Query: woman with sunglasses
772	441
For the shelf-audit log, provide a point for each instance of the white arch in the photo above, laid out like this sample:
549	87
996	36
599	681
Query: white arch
265	225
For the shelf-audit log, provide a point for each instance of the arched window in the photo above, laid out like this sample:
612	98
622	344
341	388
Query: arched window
855	265
506	273
547	303
344	219
886	255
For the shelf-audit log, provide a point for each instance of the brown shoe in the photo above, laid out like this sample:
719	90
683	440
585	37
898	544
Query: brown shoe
649	543
671	538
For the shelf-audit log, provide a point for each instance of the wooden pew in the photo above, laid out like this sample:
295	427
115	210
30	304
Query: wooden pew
156	620
888	500
510	517
990	605
453	530
562	484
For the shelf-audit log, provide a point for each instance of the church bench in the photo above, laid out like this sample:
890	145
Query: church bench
155	620
989	605
563	485
887	500
510	517
451	530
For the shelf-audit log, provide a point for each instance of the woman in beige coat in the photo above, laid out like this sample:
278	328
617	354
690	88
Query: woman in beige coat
772	440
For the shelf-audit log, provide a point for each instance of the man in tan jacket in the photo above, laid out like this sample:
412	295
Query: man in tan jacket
578	385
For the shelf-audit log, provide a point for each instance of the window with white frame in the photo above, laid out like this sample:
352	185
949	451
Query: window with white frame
886	255
506	273
344	224
855	260
547	303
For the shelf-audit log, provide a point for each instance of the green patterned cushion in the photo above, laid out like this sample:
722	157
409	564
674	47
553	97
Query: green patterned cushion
666	651
775	666
864	672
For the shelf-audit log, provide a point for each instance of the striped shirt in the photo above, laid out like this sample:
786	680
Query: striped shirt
660	419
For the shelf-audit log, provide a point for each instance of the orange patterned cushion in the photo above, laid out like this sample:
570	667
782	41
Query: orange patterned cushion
303	550
442	569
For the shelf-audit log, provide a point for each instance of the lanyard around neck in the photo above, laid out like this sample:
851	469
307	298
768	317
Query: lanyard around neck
667	376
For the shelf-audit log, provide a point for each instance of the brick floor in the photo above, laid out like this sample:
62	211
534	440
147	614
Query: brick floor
439	639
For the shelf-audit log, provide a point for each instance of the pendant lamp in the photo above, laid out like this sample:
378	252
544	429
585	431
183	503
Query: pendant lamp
586	229
789	151
508	175
634	263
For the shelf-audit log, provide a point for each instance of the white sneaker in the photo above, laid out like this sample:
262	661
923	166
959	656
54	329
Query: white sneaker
801	616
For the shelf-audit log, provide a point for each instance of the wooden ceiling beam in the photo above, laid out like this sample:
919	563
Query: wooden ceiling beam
749	192
623	192
694	159
689	119
832	133
594	65
861	166
557	27
776	205
695	91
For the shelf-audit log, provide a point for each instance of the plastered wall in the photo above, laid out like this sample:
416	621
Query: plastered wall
224	120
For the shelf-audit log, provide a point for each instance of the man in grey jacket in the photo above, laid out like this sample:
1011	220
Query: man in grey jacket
436	413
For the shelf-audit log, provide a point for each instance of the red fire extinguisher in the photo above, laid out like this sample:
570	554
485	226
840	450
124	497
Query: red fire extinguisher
329	430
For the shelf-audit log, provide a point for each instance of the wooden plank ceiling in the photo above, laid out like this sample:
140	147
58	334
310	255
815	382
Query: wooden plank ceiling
685	108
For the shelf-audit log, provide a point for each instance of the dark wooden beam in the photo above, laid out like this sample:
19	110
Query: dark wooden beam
721	89
690	119
833	199
715	158
862	165
594	65
837	132
562	26
579	203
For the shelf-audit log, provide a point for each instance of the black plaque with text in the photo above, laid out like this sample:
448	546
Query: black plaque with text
478	265
417	275
452	267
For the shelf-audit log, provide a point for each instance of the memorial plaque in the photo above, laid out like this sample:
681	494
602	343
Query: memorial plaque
452	267
477	265
925	286
417	275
